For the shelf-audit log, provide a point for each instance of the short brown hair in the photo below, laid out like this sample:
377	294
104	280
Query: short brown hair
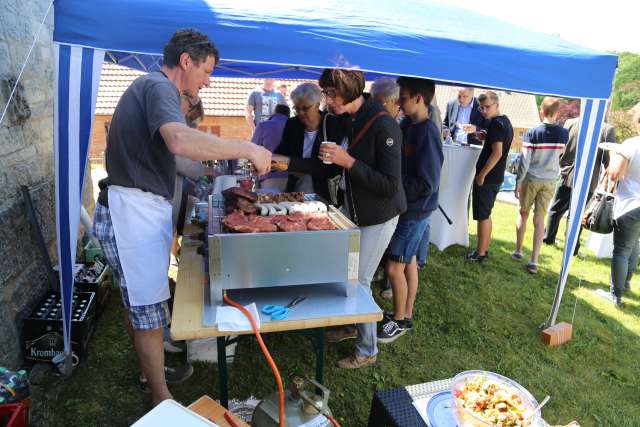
348	83
550	106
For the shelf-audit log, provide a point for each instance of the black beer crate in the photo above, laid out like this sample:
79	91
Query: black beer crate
42	331
102	285
88	278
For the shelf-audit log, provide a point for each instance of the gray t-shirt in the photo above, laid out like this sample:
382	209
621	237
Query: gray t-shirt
136	155
264	103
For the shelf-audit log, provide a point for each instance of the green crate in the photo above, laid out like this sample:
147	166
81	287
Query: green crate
91	251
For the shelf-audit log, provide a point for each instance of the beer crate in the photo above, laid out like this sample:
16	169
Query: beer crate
42	330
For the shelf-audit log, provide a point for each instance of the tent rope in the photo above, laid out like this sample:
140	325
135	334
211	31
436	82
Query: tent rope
24	64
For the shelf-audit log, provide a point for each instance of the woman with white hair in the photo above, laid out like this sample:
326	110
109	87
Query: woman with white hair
624	168
386	91
301	140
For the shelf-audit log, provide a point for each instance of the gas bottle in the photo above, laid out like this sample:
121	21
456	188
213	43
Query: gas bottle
301	406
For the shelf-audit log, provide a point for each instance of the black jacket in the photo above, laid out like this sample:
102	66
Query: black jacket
374	184
374	191
292	144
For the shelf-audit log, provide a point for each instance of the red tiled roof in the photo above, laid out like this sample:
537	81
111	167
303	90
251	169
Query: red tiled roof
224	97
227	96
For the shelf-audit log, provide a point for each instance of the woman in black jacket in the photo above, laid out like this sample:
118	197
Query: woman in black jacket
369	156
301	140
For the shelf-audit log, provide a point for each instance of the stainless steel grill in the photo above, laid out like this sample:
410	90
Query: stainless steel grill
258	260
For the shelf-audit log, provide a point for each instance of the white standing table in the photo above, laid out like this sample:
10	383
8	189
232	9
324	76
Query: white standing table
456	179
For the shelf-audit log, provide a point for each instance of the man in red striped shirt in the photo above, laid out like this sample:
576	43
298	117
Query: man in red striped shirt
537	175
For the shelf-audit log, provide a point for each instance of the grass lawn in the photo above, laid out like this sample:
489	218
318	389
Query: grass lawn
467	317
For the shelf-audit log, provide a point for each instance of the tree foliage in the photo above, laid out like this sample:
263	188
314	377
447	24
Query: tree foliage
623	124
626	88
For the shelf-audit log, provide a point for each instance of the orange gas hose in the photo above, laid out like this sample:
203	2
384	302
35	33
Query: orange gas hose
267	355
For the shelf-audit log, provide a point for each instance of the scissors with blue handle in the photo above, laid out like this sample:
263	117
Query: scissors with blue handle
279	312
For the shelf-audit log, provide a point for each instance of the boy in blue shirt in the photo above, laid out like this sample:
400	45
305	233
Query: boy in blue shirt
422	159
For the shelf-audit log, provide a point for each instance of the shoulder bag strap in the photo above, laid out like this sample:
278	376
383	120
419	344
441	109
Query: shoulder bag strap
366	127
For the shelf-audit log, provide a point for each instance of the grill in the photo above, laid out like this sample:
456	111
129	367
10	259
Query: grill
259	260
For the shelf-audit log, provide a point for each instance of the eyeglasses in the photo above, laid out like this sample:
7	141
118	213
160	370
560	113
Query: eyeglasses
330	93
302	110
485	107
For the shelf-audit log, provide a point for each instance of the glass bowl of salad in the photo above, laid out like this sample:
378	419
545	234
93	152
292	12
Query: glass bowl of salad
486	399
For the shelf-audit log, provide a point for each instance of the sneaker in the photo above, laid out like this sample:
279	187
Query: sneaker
342	333
356	361
516	256
475	257
388	315
532	267
408	323
172	376
391	331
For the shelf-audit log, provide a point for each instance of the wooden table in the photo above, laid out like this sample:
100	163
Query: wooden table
187	324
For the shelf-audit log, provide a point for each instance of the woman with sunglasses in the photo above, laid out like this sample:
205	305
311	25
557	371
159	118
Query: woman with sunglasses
301	140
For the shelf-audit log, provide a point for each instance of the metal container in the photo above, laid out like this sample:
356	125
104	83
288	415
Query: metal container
301	407
255	260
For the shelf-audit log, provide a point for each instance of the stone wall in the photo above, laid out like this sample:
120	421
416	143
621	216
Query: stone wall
26	158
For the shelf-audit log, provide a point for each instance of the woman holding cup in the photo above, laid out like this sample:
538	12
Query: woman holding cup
369	158
301	141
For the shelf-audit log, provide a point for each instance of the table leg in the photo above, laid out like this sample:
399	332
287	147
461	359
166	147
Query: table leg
320	351
222	371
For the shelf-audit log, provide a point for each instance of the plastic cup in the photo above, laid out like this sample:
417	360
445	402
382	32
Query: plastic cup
327	162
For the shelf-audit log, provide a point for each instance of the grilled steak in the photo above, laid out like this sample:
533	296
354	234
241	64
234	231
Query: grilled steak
320	223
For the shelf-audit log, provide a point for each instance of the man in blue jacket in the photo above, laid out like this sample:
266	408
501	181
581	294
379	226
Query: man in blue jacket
422	159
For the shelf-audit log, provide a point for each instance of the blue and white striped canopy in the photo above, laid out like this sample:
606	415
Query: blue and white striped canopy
298	39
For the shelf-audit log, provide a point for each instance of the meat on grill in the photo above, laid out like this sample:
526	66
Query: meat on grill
240	222
320	223
246	206
239	192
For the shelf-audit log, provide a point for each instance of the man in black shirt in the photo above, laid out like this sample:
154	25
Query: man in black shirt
489	170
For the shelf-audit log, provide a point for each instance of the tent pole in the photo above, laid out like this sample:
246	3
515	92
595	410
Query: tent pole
592	114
